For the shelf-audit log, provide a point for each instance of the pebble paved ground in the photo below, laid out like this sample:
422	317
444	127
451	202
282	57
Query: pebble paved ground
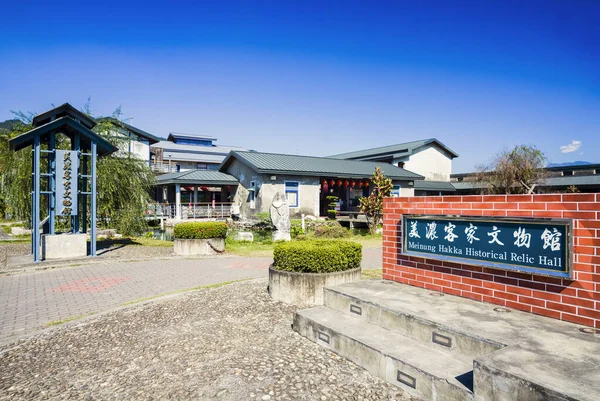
227	343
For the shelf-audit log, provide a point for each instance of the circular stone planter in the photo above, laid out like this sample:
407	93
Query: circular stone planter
306	288
209	246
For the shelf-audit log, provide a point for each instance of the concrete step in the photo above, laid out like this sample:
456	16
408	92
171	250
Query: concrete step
417	368
384	312
515	355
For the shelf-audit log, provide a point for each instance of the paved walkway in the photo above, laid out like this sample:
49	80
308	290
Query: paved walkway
29	301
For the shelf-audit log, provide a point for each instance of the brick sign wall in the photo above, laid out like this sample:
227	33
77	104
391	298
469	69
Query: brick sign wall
575	300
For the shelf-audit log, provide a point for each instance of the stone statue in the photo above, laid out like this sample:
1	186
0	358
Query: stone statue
280	218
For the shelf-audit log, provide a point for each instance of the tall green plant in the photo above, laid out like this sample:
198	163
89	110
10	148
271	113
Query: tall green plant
372	205
124	182
15	174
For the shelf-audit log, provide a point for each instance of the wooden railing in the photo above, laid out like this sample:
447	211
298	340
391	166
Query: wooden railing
163	167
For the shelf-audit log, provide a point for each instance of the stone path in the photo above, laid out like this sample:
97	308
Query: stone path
30	301
228	343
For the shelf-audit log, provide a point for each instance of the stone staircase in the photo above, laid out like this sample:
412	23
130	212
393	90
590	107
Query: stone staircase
449	348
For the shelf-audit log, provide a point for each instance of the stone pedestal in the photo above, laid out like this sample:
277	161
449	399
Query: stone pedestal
306	288
64	246
244	236
210	246
281	236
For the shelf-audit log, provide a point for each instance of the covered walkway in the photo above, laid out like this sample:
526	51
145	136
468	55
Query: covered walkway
196	194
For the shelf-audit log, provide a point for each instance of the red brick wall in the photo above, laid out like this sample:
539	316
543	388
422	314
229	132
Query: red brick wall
575	300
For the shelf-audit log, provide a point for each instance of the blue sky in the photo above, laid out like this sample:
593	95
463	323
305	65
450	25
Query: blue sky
320	78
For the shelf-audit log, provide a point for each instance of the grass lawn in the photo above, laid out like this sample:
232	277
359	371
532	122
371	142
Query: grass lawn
264	248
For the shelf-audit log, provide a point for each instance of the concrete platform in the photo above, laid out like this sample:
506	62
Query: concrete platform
512	355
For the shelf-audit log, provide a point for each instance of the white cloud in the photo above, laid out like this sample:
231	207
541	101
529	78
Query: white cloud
572	147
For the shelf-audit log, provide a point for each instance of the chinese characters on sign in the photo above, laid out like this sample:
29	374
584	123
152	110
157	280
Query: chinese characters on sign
538	246
66	182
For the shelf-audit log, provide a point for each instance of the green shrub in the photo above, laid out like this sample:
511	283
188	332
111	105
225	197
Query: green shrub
264	218
296	229
317	256
200	230
331	230
332	212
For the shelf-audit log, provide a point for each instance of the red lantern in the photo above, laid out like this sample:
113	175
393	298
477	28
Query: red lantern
360	184
331	182
325	186
366	183
352	184
323	181
346	183
339	183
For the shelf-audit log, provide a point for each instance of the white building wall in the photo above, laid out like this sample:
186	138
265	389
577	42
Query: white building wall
308	194
140	150
265	189
431	162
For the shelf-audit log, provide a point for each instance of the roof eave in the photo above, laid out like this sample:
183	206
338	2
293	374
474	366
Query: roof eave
196	182
25	139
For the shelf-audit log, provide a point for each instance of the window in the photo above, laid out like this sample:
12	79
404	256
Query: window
291	193
396	191
252	189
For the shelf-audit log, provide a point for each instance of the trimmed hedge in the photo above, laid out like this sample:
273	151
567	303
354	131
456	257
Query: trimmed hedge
200	230
317	256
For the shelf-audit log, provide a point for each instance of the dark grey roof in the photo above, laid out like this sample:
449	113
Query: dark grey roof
64	110
469	185
577	180
178	147
426	185
397	151
68	126
182	135
273	163
194	153
573	167
566	181
195	177
151	138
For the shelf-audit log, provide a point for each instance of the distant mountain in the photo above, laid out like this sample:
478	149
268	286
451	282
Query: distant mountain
569	164
9	125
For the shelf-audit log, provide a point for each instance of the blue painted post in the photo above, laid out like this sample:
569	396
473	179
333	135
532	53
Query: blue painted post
32	193
93	202
84	198
52	182
77	147
35	217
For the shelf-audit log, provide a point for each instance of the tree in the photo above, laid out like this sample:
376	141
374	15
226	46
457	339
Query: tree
15	174
372	205
123	185
517	171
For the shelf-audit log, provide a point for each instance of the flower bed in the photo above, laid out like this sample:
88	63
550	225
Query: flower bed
199	238
301	269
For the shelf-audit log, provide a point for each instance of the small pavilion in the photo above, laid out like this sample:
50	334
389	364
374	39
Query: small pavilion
64	180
